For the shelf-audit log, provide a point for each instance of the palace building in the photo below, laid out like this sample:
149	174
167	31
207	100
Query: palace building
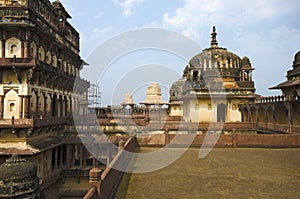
39	62
41	152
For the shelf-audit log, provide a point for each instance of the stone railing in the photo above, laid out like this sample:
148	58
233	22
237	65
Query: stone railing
279	98
105	184
50	121
33	122
279	128
16	122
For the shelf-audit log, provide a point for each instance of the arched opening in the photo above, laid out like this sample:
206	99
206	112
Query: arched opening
48	106
195	75
41	54
54	106
221	113
13	49
11	105
33	50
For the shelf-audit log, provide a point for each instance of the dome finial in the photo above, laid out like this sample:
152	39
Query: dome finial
214	42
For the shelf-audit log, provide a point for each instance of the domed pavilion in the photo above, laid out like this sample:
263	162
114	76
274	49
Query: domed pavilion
291	88
19	179
214	83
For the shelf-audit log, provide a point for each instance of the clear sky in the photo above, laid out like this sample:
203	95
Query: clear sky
267	31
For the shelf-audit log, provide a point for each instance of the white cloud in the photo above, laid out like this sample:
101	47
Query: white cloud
194	14
128	5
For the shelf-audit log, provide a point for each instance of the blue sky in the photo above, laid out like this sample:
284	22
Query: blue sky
267	31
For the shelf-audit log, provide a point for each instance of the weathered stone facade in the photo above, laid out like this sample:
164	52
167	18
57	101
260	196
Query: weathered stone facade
39	63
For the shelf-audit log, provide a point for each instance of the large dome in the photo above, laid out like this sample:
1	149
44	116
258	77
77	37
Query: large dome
214	68
215	57
18	177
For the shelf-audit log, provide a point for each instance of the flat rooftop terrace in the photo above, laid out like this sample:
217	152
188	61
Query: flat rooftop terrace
224	173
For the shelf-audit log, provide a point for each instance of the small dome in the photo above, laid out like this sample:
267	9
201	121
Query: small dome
177	89
154	89
128	99
297	59
153	95
18	177
246	62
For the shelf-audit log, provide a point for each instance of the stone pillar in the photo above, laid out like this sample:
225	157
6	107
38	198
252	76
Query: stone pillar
45	106
52	111
66	107
249	113
37	106
3	48
266	118
61	106
1	106
95	178
71	111
290	115
84	156
266	115
21	106
274	115
26	49
22	49
56	158
256	115
68	156
61	156
121	145
80	156
27	106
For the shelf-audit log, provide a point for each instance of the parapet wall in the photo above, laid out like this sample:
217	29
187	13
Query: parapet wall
111	177
230	140
108	183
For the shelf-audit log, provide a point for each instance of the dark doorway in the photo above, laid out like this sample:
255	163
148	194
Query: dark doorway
221	113
195	75
54	106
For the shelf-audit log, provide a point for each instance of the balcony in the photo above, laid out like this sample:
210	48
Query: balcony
33	122
17	62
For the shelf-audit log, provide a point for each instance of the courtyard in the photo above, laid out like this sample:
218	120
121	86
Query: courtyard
224	173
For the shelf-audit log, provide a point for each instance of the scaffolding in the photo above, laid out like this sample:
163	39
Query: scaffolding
94	96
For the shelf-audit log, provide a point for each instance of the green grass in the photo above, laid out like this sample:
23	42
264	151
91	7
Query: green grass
224	173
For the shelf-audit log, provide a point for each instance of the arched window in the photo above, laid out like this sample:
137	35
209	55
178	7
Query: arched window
221	113
13	49
12	107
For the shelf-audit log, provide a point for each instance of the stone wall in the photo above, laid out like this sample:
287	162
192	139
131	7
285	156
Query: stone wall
231	140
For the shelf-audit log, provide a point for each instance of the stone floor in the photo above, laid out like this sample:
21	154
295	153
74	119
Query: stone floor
224	173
